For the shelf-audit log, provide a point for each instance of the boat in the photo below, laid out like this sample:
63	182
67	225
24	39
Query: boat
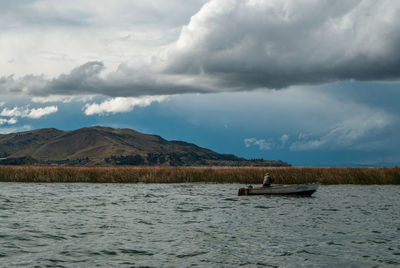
280	189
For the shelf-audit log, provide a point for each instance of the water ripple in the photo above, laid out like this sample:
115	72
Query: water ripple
140	225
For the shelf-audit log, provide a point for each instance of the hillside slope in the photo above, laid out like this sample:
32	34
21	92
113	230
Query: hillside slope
104	145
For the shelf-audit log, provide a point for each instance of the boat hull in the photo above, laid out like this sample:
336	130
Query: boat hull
297	189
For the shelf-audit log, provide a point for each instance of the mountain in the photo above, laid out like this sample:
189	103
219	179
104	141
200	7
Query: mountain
103	145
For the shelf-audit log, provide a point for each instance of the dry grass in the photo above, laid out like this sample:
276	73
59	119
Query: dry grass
164	174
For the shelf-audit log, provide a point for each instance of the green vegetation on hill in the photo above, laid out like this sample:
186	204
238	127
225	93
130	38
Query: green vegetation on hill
188	159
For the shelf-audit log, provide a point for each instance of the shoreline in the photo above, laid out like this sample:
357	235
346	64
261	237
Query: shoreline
168	174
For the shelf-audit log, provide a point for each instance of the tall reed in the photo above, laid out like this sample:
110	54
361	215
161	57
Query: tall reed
166	174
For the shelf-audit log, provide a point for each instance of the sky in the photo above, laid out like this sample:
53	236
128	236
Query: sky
309	82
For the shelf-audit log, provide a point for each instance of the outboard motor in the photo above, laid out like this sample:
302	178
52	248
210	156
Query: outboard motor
243	191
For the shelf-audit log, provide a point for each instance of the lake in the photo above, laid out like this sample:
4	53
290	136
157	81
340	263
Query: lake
181	225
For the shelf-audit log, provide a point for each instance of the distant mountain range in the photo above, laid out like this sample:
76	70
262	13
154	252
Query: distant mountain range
107	146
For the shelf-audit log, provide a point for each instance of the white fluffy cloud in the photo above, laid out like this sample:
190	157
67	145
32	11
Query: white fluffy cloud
10	121
40	112
33	113
261	143
120	105
15	129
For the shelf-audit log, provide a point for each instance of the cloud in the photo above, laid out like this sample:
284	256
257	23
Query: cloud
15	129
228	45
348	134
279	43
75	13
261	143
10	121
120	105
61	98
33	113
40	112
264	145
16	111
44	37
284	138
29	85
125	81
332	117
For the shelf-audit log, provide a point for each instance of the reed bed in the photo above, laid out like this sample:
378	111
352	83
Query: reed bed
166	174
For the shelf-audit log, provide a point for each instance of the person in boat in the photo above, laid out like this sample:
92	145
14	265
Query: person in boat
267	180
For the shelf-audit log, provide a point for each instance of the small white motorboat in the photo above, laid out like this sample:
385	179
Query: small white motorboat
280	189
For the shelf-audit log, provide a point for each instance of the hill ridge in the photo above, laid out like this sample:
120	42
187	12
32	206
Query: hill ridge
99	145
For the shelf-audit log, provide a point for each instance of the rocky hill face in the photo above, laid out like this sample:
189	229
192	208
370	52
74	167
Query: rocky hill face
104	145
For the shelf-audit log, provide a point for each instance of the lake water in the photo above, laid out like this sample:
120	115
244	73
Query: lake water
181	225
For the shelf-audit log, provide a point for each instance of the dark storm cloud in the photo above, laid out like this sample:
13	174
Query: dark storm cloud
281	43
87	79
232	45
84	78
